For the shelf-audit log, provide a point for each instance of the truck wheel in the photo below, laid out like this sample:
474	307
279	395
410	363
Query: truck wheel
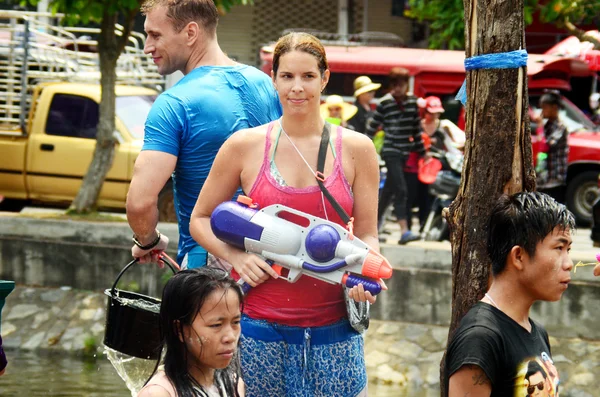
582	193
166	205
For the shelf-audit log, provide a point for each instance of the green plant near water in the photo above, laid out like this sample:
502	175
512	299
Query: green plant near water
165	278
132	286
90	346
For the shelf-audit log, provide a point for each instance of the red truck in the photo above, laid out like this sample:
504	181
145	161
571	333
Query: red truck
442	72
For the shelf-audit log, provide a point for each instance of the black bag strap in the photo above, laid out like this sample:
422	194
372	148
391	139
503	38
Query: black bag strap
321	177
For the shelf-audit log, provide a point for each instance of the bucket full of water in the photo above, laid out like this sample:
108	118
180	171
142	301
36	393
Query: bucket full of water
132	321
5	288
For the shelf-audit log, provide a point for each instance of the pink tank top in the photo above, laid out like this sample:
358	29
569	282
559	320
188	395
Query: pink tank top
308	302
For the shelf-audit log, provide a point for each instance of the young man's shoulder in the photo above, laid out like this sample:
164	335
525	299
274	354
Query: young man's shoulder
480	316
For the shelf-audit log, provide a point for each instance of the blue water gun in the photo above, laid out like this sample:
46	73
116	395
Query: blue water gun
321	249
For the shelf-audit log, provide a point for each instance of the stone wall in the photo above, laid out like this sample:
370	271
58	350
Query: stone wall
89	255
403	355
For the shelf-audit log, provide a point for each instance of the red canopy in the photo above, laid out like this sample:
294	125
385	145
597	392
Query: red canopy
437	71
572	47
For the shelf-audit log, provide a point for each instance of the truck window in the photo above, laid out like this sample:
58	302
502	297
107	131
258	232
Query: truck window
133	110
72	116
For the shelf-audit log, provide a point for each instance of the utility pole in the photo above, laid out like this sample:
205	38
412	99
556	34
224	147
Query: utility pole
343	19
498	155
42	7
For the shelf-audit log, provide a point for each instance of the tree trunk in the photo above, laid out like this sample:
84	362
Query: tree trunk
498	155
109	51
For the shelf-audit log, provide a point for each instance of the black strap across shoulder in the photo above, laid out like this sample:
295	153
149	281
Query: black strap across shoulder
320	176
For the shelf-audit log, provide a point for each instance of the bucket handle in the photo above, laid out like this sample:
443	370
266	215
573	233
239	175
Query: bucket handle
168	261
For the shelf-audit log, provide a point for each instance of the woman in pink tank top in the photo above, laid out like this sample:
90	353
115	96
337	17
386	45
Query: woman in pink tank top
296	338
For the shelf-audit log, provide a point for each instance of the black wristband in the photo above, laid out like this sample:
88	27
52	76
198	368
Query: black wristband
147	246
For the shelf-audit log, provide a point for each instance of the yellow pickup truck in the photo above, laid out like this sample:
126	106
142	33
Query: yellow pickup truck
49	111
48	164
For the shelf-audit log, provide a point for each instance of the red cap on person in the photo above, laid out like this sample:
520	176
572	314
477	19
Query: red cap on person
433	105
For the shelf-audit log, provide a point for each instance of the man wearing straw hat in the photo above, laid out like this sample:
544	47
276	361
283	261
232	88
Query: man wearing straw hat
364	92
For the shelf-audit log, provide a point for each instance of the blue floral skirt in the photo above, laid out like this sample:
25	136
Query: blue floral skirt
279	360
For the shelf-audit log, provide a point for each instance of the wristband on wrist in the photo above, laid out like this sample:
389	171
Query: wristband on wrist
147	246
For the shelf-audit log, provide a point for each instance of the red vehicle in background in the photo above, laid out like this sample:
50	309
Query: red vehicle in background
441	73
572	47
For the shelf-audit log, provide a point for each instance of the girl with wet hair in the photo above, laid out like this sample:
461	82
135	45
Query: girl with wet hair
297	339
200	328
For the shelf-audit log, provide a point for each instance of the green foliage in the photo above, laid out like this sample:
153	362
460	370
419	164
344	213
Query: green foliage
166	277
90	346
576	12
130	286
225	5
446	21
89	11
92	11
446	17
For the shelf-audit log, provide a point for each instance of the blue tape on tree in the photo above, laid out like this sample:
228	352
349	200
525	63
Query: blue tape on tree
502	60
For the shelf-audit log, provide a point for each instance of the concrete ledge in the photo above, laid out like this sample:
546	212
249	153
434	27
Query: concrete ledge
78	254
89	255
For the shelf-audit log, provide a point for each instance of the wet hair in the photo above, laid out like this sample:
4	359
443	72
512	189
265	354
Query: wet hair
182	12
182	300
533	367
398	75
551	97
300	41
523	219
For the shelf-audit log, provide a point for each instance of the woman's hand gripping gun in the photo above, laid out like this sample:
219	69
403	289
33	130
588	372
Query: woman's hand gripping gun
323	250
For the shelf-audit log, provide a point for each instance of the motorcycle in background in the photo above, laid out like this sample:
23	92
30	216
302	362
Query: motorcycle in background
444	189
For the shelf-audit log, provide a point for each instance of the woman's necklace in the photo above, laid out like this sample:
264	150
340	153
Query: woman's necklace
305	162
491	300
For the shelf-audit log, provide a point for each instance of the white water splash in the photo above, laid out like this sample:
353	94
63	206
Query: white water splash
134	371
137	303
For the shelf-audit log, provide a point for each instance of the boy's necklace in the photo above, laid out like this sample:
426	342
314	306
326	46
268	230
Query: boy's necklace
524	325
491	300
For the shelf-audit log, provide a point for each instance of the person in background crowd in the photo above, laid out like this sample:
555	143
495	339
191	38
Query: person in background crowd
529	239
297	339
336	111
552	168
200	316
445	136
398	114
364	92
189	122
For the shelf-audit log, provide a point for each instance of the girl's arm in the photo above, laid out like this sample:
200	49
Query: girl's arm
365	188
221	184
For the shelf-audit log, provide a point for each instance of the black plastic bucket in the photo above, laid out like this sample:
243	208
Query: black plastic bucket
132	321
5	288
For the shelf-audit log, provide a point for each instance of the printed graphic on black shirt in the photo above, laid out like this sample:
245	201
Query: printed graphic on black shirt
537	377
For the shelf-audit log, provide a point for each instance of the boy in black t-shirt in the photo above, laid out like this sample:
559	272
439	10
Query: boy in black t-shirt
497	349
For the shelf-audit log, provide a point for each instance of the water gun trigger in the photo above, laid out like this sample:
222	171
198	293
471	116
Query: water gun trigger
278	269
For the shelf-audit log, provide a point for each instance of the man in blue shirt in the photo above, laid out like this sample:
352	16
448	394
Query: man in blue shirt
189	122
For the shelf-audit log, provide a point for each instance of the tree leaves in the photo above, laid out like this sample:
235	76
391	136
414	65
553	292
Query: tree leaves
446	17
